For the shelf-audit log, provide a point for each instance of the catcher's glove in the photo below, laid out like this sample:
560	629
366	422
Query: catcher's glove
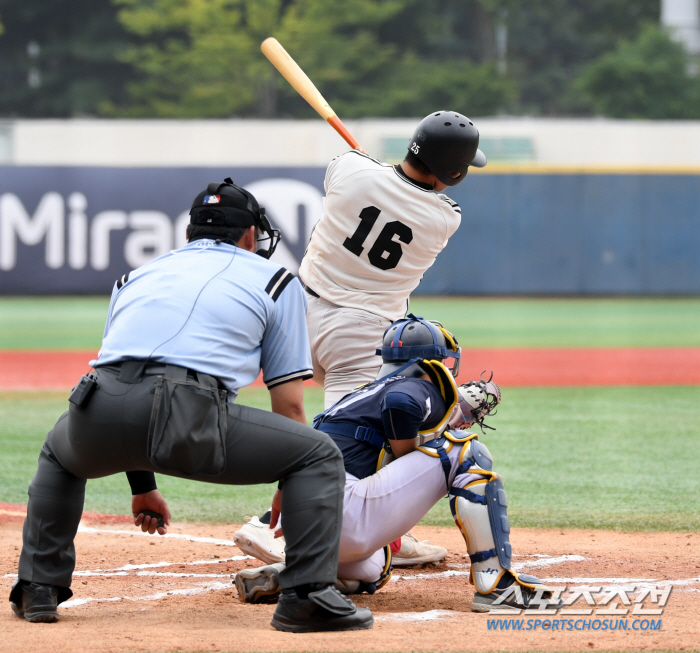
477	399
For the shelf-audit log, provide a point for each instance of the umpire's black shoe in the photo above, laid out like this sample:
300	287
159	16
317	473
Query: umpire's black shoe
321	610
36	602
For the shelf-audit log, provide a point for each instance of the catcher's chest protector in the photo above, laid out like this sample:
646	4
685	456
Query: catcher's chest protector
440	377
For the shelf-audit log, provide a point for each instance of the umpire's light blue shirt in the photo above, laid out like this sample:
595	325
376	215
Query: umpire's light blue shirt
213	308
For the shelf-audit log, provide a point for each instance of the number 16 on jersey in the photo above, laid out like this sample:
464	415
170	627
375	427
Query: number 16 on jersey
386	252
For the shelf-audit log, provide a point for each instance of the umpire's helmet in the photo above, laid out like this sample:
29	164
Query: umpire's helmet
447	143
414	337
224	204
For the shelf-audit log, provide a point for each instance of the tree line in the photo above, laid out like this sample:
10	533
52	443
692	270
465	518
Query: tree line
369	58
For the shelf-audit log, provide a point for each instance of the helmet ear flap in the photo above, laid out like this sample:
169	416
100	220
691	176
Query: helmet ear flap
452	345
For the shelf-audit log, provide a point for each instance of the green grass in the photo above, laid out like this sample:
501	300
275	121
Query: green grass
52	322
613	458
570	322
78	322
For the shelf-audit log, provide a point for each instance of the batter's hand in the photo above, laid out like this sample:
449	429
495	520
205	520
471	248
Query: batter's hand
154	502
275	512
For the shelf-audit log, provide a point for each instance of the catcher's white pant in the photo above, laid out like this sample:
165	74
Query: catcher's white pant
343	343
382	507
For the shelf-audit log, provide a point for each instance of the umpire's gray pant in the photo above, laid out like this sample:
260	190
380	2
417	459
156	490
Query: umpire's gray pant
109	435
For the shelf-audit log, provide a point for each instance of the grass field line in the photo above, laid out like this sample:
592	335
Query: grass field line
511	366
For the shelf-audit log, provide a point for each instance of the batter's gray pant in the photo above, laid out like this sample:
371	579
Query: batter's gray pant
109	436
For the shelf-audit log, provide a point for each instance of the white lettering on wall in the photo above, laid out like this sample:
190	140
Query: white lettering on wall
151	237
104	223
77	231
181	229
71	237
47	222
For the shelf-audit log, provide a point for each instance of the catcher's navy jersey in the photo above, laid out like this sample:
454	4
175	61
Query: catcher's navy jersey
396	408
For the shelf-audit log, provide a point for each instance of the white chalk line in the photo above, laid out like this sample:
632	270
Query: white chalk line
123	571
517	566
141	569
152	574
190	591
430	615
545	561
613	583
173	536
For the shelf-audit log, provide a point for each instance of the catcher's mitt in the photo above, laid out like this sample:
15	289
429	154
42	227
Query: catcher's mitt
477	399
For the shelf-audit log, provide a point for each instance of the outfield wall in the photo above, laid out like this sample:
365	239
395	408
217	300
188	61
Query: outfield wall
67	229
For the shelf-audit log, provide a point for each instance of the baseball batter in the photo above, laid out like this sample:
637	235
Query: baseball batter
392	480
382	228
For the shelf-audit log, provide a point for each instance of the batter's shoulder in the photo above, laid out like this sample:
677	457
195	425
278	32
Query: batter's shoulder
352	162
453	205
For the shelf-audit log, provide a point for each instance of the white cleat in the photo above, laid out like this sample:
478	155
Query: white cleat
258	540
413	552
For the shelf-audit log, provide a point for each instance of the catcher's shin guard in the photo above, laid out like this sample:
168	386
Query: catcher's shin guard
479	507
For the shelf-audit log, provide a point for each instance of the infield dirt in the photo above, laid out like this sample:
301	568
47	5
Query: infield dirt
136	592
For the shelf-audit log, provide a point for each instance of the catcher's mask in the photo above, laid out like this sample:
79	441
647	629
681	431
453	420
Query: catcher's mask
447	143
414	337
476	400
224	204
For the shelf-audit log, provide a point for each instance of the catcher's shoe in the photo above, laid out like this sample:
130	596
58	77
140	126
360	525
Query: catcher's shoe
261	585
258	540
520	592
413	552
303	611
35	602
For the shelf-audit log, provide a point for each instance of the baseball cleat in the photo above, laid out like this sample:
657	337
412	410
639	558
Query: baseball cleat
34	602
258	540
529	592
413	552
325	609
261	585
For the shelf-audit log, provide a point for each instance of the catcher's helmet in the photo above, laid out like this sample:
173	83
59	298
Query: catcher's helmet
414	337
224	204
447	143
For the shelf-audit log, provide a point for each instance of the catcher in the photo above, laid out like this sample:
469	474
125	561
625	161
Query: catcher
404	447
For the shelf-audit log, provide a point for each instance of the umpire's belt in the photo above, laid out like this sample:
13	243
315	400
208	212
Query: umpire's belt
132	371
350	430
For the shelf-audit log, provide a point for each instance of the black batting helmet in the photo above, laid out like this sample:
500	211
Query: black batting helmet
227	205
447	143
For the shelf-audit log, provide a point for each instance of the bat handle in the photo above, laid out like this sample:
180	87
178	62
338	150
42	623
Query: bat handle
338	125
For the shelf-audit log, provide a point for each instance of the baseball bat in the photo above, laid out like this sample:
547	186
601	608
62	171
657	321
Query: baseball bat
291	71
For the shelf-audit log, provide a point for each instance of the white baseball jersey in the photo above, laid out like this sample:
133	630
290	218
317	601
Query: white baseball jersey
379	233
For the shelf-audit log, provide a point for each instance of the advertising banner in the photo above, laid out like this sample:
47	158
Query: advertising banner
75	230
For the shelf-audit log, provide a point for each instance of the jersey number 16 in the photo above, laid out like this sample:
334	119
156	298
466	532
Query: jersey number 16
386	252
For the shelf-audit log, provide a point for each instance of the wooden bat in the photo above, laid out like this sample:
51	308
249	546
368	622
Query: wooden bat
291	71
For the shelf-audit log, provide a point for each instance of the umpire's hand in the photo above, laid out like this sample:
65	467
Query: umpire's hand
143	507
